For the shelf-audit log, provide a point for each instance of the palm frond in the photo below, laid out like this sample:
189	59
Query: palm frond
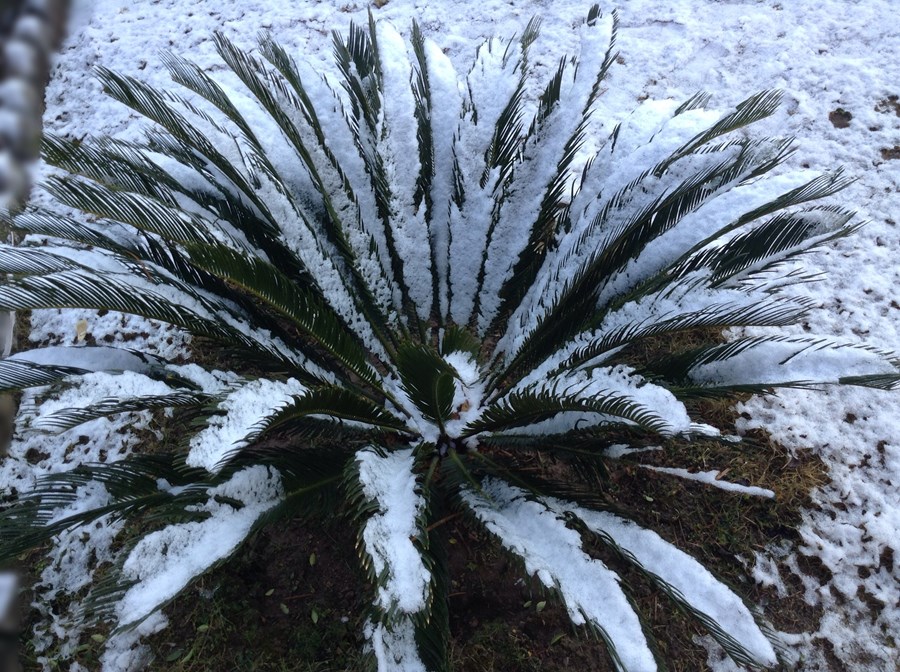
61	420
530	406
679	576
309	313
553	552
428	380
393	544
16	374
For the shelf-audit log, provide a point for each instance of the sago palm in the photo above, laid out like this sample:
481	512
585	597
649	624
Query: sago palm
406	280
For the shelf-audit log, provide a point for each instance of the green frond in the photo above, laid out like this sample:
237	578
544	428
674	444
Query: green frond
185	143
357	60
781	238
58	226
331	402
18	374
753	109
67	418
132	487
773	312
883	381
458	339
303	307
192	77
138	211
428	380
112	164
532	405
32	261
82	289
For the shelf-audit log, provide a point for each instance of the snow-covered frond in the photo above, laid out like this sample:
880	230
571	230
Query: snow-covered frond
135	295
32	261
110	164
238	415
671	312
319	239
67	418
192	77
106	235
394	544
61	501
273	95
624	244
439	107
488	144
774	242
323	411
360	64
162	563
778	361
553	553
753	109
139	211
86	358
183	141
604	396
682	578
399	156
542	181
337	162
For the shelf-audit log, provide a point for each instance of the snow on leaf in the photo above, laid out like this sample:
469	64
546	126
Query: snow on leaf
242	410
164	562
553	553
390	484
695	584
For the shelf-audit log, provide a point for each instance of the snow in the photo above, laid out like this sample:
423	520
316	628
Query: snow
403	581
712	478
552	552
695	584
389	483
241	412
824	56
163	562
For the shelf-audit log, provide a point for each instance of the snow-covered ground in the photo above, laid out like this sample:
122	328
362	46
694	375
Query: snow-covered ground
838	62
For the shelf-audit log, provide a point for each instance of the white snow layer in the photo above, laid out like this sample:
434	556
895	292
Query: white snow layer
164	562
403	586
552	552
712	478
693	581
242	411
